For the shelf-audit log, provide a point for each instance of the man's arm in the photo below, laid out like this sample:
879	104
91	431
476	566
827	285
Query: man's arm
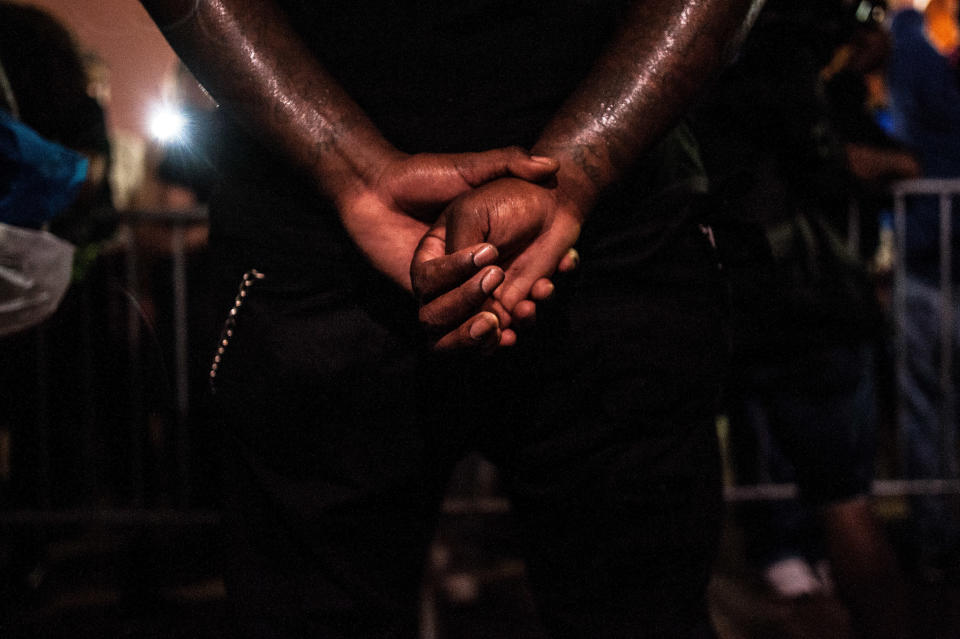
660	60
246	54
664	54
251	60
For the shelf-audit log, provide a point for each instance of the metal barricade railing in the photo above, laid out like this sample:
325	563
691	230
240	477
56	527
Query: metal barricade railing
132	508
945	190
137	511
177	221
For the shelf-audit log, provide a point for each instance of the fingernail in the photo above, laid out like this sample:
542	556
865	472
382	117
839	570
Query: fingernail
541	159
490	281
480	328
485	256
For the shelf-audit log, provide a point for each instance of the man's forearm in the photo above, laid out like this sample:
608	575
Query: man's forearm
658	62
247	55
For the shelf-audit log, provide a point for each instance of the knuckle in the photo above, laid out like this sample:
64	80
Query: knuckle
463	167
417	271
420	283
443	345
428	317
454	340
472	298
418	292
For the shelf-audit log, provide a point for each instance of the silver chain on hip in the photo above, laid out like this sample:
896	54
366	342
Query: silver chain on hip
226	334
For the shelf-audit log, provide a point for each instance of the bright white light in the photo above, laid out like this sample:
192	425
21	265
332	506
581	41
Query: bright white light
167	123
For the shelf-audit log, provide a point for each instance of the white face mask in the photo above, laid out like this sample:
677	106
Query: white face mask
35	269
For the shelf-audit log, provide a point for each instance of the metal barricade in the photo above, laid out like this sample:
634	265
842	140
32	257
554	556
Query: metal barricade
177	221
140	512
95	504
946	191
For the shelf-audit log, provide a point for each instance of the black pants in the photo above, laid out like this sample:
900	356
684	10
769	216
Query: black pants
342	433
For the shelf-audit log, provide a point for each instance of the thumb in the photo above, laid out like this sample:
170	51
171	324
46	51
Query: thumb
478	168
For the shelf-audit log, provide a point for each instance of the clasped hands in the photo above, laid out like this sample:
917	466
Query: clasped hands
474	236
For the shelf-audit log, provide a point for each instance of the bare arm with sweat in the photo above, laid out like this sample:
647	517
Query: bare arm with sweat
249	57
665	52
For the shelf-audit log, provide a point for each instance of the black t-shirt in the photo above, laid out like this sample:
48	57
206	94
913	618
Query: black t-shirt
433	76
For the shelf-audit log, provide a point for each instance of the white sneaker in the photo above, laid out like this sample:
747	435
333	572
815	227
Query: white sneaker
792	578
